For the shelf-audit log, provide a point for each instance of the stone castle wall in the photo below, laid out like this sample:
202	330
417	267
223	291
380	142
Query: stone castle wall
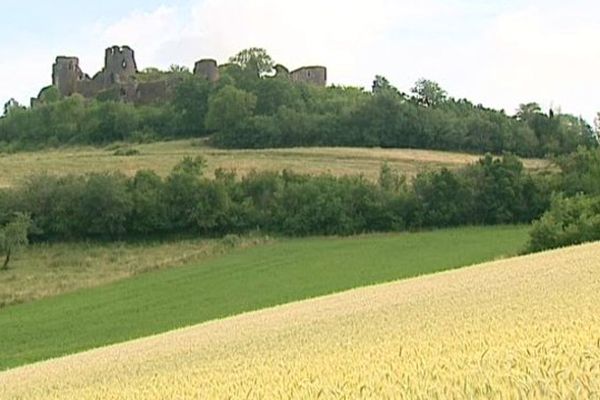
118	78
316	75
66	74
208	69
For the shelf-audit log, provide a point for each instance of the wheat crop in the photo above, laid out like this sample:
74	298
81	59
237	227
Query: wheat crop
520	328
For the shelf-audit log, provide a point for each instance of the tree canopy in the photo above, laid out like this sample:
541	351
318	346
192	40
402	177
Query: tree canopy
250	108
255	60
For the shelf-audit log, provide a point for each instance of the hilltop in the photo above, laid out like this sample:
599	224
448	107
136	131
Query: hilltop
251	102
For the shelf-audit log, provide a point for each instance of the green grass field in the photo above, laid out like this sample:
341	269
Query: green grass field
49	269
244	280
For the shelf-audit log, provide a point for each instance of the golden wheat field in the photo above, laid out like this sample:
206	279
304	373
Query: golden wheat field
520	328
161	157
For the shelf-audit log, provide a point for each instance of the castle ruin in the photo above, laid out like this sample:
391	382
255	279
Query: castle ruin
315	75
208	69
118	79
66	74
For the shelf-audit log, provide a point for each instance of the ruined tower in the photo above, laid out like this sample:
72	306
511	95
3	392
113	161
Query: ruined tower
207	69
66	74
119	80
119	65
316	75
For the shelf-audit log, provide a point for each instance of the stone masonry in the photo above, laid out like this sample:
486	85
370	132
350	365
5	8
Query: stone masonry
118	78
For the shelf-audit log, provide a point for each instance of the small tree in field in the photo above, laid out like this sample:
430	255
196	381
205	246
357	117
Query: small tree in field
13	236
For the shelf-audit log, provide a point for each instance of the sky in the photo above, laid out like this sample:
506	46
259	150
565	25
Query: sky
497	53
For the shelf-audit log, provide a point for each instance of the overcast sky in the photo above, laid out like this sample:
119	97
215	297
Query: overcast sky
499	53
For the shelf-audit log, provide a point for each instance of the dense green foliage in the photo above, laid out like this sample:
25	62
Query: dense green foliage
242	281
112	206
574	216
251	108
581	172
13	236
569	221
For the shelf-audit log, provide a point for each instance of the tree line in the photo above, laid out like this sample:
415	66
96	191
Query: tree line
252	107
565	205
111	206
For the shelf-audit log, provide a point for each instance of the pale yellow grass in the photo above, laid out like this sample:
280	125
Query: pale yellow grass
520	328
48	269
161	157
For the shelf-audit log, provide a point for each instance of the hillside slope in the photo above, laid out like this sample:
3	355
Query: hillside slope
526	327
240	281
161	157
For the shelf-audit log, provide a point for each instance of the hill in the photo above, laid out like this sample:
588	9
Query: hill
242	106
243	280
162	156
521	328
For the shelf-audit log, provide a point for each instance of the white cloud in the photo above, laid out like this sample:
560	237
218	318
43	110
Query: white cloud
21	76
548	55
145	32
499	55
309	32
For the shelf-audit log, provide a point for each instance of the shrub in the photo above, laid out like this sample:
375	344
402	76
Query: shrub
569	221
127	152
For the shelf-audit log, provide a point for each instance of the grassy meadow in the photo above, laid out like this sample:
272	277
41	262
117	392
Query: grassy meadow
527	327
243	280
48	269
162	156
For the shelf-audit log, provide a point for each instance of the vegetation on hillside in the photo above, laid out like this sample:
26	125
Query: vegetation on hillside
243	280
161	157
574	215
112	206
13	236
570	220
249	108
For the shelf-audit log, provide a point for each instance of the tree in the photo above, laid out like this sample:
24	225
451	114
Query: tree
149	212
569	221
381	84
597	127
391	180
580	172
13	236
526	111
229	109
574	131
191	101
179	69
12	105
429	93
254	60
150	74
103	206
182	193
443	198
377	121
49	95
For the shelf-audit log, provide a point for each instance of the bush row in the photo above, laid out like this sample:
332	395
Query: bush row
112	206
